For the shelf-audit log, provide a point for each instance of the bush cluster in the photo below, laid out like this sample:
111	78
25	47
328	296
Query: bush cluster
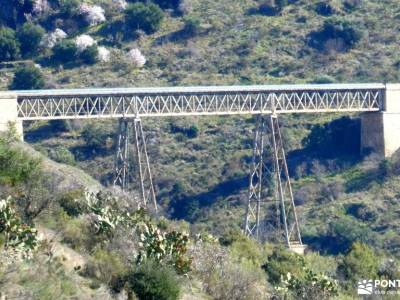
9	46
272	7
146	17
336	34
153	282
28	77
66	52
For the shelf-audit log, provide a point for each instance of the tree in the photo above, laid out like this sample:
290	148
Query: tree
146	17
90	55
28	78
65	51
9	46
14	12
30	36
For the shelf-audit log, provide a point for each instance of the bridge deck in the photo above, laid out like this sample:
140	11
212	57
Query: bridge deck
196	101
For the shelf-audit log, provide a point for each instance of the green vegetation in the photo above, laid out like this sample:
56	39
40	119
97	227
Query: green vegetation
9	46
28	77
146	17
152	281
347	203
64	52
30	37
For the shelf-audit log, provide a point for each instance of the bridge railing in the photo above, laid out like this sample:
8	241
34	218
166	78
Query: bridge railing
194	101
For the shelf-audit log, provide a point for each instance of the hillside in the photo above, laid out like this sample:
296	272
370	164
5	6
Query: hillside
348	204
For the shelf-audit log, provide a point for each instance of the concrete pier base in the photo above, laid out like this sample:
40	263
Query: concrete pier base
9	113
380	131
298	248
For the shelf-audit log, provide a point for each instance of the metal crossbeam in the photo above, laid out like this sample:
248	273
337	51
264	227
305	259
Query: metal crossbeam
270	183
125	103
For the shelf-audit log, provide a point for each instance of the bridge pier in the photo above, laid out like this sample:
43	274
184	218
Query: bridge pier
142	163
270	182
9	113
380	131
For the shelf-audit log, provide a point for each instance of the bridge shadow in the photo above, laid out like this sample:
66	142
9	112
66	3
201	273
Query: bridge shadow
188	207
41	133
329	148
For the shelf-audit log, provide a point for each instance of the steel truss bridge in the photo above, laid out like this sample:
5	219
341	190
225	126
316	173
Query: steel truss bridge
269	182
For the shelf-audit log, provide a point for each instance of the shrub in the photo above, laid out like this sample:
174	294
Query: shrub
30	36
312	286
27	78
152	281
336	34
65	52
223	279
173	4
104	266
94	136
69	8
104	55
189	131
62	155
360	262
77	233
362	211
281	262
19	236
136	58
90	55
351	5
192	25
345	231
324	9
146	17
9	46
272	7
71	203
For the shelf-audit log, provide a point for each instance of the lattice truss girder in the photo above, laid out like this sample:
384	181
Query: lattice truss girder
141	161
270	187
108	106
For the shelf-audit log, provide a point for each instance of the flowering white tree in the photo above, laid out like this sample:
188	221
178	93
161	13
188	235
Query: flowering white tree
40	7
120	4
104	54
84	41
136	57
93	14
50	39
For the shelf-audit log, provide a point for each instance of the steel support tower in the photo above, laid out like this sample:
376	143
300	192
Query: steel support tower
142	169
270	187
